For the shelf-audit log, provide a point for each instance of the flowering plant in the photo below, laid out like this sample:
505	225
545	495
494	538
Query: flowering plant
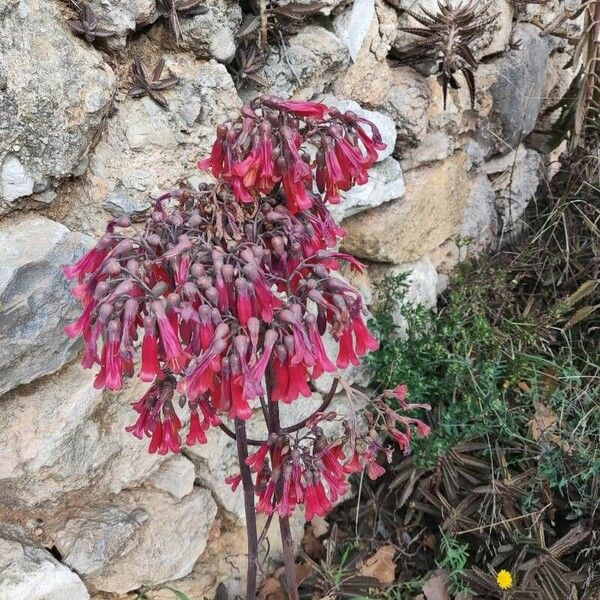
234	287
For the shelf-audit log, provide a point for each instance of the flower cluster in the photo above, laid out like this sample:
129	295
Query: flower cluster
267	147
226	293
311	471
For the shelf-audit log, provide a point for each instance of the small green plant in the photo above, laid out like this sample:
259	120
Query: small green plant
455	556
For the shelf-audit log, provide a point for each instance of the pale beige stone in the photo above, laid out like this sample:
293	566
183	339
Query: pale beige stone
442	200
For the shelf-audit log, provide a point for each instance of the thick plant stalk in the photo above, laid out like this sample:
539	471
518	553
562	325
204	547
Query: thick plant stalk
287	542
250	511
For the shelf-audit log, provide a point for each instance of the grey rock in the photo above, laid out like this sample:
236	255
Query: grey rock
16	181
516	178
35	300
146	150
407	103
313	58
28	572
213	35
123	17
119	203
519	89
385	183
328	5
176	476
49	116
353	25
209	35
65	442
138	538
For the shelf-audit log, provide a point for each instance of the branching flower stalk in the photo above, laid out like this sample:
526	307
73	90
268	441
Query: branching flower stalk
231	289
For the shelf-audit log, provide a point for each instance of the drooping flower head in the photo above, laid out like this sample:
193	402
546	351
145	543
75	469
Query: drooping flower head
227	285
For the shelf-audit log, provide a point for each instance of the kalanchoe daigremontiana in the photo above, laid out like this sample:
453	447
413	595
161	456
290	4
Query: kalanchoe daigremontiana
86	26
229	291
173	9
149	83
446	38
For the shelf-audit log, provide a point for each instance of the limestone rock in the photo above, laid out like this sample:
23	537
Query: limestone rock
175	475
123	17
515	178
442	201
328	5
518	92
313	59
367	78
49	116
65	441
119	204
147	150
209	35
138	538
407	103
385	183
35	300
32	573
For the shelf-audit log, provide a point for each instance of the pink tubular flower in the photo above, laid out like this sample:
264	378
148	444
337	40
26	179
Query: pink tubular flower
89	262
196	433
255	461
300	108
111	372
233	481
266	497
176	357
365	342
347	354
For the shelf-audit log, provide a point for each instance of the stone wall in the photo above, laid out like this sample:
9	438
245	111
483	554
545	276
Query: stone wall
85	511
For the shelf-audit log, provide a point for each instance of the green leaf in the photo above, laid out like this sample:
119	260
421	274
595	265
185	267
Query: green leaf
179	595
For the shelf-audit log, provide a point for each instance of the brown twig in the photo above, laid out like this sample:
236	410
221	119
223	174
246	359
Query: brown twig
324	406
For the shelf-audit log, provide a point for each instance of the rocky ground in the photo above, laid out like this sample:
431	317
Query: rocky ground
84	509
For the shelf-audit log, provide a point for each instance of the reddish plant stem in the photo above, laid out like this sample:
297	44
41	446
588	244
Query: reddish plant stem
249	509
232	435
287	542
324	406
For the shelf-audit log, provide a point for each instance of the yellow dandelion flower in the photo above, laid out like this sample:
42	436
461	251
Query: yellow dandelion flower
504	580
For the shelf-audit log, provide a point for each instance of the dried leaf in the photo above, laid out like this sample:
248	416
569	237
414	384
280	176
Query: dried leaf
436	588
311	545
381	565
544	419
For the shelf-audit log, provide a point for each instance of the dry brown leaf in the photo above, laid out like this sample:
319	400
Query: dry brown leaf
381	565
524	386
544	419
273	588
311	545
436	587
